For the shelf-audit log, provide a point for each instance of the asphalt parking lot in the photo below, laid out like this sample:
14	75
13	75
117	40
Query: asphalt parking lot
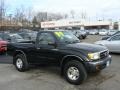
49	78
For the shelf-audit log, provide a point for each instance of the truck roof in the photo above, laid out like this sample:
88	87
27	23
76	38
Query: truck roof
52	30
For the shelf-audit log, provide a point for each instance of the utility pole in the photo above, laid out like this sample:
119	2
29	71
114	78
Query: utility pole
2	13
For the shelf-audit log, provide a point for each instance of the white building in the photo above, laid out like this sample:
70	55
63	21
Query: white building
77	23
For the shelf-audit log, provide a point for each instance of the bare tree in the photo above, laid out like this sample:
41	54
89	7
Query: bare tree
2	9
83	15
66	16
21	16
72	12
29	16
54	16
10	18
41	16
34	21
2	12
17	15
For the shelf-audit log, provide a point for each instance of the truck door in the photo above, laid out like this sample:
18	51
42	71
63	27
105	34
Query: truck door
46	50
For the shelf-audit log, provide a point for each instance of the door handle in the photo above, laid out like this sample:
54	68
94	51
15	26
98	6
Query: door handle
54	49
38	48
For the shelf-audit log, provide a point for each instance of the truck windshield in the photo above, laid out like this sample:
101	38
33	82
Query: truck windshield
66	37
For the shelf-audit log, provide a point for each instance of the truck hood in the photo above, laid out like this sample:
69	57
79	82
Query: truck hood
87	47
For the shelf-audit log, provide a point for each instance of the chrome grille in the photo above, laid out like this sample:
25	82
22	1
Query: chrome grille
104	54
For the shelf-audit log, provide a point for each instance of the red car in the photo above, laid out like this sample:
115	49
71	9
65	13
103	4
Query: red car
3	46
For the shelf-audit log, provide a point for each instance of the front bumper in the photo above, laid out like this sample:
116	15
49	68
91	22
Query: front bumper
93	66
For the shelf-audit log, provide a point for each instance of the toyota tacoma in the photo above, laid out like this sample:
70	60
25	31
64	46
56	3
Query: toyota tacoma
63	49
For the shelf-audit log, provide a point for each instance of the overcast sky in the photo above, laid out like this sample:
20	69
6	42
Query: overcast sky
93	8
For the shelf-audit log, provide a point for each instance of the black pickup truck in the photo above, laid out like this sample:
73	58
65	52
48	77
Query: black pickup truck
63	49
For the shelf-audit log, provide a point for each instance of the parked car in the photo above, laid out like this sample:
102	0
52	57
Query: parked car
24	30
111	32
93	32
3	46
28	36
12	37
106	37
63	49
103	32
84	33
87	32
112	43
78	35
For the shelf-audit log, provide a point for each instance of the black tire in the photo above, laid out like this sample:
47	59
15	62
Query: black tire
81	69
25	65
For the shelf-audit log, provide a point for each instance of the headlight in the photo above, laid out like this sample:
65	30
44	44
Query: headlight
94	56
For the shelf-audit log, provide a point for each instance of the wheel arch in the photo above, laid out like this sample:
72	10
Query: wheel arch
18	52
68	58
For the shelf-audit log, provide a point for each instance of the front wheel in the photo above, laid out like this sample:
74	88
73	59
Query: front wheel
75	72
21	63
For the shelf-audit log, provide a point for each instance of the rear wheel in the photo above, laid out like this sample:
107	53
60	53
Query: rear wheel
21	63
75	72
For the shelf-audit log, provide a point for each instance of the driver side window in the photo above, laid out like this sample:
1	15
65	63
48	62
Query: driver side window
46	38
